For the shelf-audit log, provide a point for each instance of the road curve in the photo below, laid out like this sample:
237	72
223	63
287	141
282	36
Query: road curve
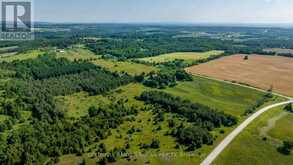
213	155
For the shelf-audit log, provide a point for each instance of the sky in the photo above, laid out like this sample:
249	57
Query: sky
164	11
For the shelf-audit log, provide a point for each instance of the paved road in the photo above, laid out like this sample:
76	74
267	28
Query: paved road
213	155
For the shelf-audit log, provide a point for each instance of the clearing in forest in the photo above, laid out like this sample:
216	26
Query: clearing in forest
186	56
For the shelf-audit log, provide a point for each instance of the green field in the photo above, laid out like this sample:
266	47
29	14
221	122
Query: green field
22	56
283	128
229	98
249	146
77	54
77	105
186	56
125	66
114	66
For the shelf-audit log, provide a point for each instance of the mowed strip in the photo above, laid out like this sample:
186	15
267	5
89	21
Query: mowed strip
186	56
258	71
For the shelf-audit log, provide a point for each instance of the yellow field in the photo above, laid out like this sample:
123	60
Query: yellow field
187	56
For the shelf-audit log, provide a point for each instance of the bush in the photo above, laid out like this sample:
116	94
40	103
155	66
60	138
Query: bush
289	108
286	148
155	144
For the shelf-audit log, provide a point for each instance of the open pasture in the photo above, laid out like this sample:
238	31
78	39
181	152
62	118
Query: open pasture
186	56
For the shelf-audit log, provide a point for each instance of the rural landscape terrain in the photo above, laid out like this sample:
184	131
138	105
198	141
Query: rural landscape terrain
132	94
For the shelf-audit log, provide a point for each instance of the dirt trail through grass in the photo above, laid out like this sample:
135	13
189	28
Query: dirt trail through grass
271	124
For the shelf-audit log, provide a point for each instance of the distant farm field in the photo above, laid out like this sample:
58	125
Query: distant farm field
259	71
112	65
22	56
124	66
7	50
77	54
186	56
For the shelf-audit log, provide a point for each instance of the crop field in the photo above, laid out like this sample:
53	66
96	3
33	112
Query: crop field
219	95
264	72
186	56
258	143
23	56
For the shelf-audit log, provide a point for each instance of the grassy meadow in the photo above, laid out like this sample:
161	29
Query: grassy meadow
77	105
22	56
77	54
250	145
229	98
186	56
125	66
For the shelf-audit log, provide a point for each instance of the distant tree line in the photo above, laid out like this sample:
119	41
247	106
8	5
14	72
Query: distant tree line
136	48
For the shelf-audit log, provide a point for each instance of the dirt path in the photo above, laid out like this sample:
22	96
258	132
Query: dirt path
271	123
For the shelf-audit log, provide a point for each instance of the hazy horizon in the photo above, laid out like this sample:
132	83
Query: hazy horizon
162	11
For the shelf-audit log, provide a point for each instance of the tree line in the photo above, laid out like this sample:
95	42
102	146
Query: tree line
166	78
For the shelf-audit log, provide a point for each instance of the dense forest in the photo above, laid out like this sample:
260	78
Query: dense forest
33	143
48	134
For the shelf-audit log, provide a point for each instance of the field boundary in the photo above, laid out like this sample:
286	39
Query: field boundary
242	85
